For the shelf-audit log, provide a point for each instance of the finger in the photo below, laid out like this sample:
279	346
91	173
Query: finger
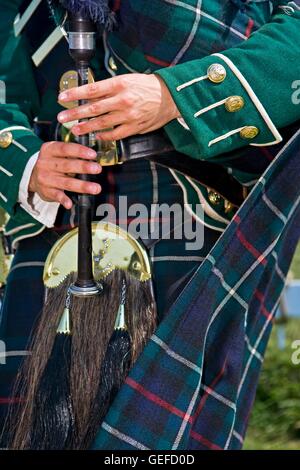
88	110
91	91
56	195
75	185
103	122
120	132
72	166
67	150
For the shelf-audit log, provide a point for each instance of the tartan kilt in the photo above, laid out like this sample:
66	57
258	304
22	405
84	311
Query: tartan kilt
194	384
172	264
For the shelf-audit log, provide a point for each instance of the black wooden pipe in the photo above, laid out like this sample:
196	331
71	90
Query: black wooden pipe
81	35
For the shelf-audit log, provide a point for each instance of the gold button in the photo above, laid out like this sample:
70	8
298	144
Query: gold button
249	132
228	206
112	64
6	139
234	103
216	73
214	198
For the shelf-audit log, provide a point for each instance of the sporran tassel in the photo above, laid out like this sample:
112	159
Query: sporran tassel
62	406
22	424
54	421
115	368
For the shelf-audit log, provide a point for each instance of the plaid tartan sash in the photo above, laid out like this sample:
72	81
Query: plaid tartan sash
194	384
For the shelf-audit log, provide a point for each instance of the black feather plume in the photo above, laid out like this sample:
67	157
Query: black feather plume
97	10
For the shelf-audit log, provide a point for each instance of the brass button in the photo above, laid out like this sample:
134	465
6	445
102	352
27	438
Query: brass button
249	132
234	104
112	64
228	206
6	139
216	73
214	198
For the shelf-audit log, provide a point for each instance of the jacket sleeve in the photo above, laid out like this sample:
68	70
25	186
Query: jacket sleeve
242	96
19	102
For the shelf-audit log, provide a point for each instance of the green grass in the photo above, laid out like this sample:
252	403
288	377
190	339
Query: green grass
275	420
295	268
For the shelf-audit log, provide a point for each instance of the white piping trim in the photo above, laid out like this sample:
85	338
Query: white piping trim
3	197
17	229
30	235
8	173
23	20
29	264
287	9
48	45
225	136
20	146
16	128
191	82
188	208
259	106
14	354
268	144
208	108
182	122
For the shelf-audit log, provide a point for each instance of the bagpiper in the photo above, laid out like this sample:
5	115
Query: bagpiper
220	78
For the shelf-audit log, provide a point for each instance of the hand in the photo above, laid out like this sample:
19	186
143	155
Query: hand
131	104
56	167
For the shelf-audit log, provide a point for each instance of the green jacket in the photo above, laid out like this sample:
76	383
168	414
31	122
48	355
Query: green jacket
234	75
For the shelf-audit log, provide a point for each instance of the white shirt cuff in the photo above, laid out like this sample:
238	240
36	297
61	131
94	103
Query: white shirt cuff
43	211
